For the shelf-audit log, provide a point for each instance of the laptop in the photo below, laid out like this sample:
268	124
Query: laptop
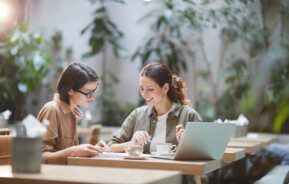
202	141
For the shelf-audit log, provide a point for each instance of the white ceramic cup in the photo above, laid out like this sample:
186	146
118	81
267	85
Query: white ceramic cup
165	148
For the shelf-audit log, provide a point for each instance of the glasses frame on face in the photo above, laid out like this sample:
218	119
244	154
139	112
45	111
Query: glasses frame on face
90	93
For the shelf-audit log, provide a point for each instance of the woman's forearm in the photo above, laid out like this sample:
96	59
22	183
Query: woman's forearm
59	157
119	147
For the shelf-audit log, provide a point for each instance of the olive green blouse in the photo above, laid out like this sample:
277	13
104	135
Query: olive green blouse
145	119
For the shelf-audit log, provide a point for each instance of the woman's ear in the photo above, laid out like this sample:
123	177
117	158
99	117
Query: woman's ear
166	88
70	92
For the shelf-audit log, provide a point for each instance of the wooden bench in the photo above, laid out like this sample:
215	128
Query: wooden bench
276	175
264	141
250	147
233	154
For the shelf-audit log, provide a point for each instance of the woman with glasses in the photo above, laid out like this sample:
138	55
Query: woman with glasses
76	87
162	120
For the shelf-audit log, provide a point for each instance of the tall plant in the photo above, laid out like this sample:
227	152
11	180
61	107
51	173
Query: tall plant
178	26
24	63
165	41
264	85
225	76
257	83
105	33
269	89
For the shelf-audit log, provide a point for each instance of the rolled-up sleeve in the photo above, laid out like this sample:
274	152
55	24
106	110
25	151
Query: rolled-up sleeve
49	139
126	131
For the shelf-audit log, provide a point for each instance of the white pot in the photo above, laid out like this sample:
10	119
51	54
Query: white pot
3	123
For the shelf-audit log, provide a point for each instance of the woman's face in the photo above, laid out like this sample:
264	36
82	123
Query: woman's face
152	93
85	95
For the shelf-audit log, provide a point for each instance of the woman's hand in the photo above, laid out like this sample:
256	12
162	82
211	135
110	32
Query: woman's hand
103	145
86	150
179	132
140	138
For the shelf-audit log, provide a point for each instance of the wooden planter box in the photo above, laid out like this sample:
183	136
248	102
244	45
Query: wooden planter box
5	149
240	131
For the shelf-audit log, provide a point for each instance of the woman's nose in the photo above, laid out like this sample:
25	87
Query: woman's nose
144	92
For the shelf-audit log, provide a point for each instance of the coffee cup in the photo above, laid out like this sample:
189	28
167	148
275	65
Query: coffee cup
165	148
134	150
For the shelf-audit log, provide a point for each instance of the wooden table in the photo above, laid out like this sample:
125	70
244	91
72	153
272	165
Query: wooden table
250	147
234	154
264	141
196	168
56	174
185	167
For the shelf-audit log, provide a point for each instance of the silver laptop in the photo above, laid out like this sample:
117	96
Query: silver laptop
202	140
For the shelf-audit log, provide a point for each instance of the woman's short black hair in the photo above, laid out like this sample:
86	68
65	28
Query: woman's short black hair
74	77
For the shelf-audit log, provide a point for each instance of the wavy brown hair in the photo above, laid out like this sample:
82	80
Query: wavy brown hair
161	74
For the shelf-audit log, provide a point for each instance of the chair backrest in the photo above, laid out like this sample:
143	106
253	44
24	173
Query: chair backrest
5	149
5	131
94	132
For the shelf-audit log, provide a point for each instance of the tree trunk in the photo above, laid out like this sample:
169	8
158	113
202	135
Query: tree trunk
104	73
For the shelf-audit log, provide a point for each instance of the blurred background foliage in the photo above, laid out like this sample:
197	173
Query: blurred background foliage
165	41
248	75
24	63
104	37
256	84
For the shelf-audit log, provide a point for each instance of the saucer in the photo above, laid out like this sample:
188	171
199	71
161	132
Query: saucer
164	154
135	157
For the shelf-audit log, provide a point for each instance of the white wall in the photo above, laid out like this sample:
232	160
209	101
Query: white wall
67	16
71	16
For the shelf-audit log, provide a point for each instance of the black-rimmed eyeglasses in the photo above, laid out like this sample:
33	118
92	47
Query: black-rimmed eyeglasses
89	94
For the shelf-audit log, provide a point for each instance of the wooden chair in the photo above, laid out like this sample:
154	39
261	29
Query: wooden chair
94	132
5	149
5	131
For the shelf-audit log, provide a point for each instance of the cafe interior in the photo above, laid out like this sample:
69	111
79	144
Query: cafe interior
144	91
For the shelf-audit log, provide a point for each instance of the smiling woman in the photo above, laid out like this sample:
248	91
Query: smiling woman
76	87
165	115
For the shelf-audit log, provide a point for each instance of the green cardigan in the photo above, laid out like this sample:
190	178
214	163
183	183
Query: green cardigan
145	119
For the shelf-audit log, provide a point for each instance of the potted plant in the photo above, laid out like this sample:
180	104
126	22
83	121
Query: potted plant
104	34
23	65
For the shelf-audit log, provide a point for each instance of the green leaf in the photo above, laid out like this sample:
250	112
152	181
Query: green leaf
85	29
191	2
280	119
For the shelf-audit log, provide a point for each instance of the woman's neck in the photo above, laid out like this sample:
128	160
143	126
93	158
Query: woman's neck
163	107
72	105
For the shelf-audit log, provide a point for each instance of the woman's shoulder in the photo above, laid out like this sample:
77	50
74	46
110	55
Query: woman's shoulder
191	112
50	107
189	109
143	110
